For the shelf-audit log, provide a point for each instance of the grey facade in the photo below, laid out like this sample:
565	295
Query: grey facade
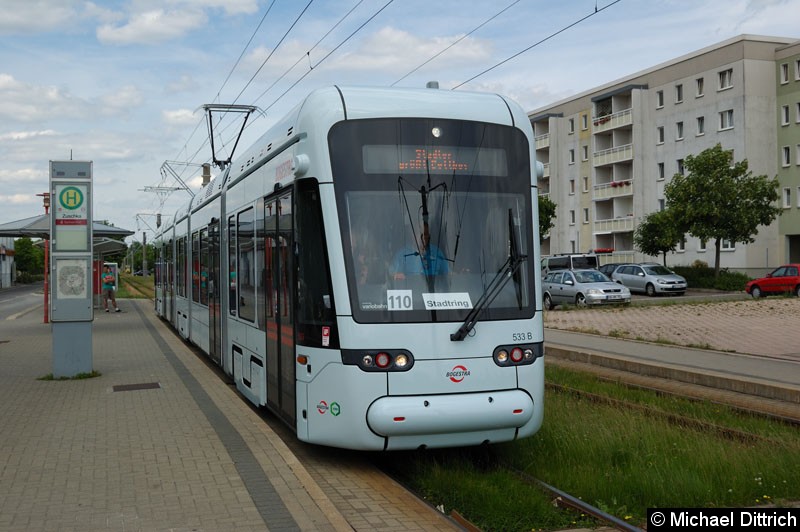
7	269
609	152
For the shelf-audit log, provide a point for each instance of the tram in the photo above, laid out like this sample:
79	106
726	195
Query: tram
369	270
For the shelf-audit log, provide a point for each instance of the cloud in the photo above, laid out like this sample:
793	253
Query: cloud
25	135
23	17
22	175
23	102
152	27
379	51
121	101
179	117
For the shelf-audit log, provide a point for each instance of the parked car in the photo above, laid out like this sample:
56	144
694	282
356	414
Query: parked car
650	278
783	280
608	269
582	288
569	261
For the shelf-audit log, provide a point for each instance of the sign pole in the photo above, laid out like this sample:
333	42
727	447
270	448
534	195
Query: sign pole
71	297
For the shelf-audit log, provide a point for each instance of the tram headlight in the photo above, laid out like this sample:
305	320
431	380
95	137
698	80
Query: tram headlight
502	356
517	355
378	360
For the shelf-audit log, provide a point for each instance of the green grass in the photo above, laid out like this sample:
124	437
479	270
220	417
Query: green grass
619	459
79	376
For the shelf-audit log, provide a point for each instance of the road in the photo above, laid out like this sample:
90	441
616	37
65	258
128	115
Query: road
21	299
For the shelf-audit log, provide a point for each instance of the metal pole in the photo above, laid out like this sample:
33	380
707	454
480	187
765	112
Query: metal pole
46	201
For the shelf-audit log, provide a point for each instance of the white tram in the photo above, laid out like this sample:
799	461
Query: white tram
369	270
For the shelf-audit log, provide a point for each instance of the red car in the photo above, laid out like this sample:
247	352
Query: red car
783	280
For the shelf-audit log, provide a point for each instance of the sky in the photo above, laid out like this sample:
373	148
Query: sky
122	83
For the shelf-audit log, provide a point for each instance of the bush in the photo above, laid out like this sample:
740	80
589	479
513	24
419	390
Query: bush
28	278
699	275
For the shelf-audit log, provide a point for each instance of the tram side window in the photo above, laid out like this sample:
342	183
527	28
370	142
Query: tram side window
232	264
315	309
180	270
168	272
245	274
204	267
196	267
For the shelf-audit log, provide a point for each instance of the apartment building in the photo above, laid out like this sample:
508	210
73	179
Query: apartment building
787	75
609	152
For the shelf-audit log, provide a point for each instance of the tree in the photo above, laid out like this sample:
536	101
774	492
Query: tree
27	257
717	201
547	214
657	234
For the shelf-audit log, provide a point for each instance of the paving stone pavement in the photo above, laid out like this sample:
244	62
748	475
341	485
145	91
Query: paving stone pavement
766	326
76	455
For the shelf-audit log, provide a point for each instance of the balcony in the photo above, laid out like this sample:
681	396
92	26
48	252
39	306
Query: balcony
542	141
613	155
546	171
614	189
612	121
623	224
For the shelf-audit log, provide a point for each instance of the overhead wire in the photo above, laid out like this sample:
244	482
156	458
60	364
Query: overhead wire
565	28
482	24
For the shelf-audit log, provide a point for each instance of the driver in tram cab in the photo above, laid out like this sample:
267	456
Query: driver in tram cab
428	259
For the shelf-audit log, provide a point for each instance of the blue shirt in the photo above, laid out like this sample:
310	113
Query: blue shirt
409	261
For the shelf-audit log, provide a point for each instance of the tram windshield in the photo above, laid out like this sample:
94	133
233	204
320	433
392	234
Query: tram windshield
431	212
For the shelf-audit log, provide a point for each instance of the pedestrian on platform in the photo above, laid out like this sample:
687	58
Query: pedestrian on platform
109	281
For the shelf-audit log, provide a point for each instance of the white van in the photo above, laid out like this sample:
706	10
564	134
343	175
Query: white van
569	261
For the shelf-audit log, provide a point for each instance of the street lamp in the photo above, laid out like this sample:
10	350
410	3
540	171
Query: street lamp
46	202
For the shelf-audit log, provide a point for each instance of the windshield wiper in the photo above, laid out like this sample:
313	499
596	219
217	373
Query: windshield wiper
507	271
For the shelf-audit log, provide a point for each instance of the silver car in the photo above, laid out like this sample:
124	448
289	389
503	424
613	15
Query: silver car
652	279
582	288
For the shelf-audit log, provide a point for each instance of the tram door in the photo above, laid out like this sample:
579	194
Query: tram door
214	317
279	262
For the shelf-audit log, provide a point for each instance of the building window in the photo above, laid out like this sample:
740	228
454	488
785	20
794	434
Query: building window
571	187
586	184
584	122
586	216
701	246
679	131
728	245
660	171
798	196
660	135
571	126
784	72
662	204
571	156
797	113
726	79
797	69
572	217
787	197
797	155
679	93
585	153
572	246
786	157
699	85
701	125
785	115
680	166
681	247
726	120
659	99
